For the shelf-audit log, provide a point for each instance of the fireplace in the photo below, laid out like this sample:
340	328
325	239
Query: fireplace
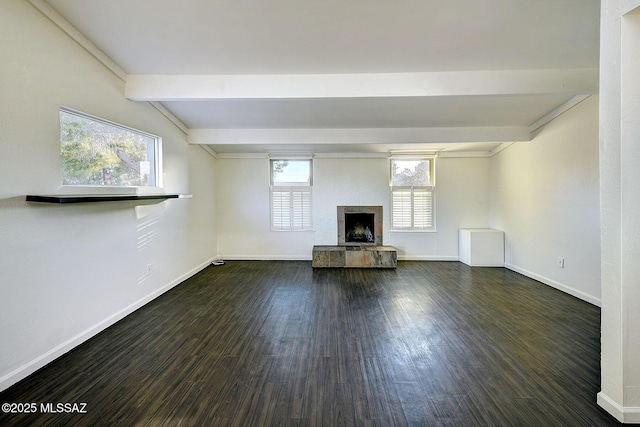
359	241
359	228
359	225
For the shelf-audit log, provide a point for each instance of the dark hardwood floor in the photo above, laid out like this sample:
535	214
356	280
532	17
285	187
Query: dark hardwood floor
280	344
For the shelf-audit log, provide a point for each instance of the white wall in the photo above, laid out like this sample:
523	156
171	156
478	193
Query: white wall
620	208
243	206
545	197
242	198
348	182
68	271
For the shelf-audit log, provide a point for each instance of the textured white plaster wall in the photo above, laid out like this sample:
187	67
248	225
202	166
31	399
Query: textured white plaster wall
67	272
545	197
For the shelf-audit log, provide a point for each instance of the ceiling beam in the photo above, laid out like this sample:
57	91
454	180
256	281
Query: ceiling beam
359	135
154	87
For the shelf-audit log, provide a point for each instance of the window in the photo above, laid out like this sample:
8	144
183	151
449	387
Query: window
94	151
412	194
291	181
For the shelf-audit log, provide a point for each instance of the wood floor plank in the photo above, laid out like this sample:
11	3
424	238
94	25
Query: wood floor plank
256	343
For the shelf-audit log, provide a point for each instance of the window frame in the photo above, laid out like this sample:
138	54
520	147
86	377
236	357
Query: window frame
300	199
413	190
155	166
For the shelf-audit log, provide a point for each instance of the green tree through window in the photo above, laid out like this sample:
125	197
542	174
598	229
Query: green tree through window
97	152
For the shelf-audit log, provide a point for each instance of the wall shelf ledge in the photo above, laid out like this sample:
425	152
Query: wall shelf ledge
90	198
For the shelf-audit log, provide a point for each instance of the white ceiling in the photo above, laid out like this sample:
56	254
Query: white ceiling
349	75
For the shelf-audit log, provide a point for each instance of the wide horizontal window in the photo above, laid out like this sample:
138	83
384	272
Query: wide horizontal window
95	151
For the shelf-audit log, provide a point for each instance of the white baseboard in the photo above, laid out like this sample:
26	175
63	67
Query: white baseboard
308	258
30	367
561	287
627	415
426	258
267	257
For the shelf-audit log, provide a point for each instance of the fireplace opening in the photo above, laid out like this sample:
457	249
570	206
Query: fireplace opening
360	225
359	228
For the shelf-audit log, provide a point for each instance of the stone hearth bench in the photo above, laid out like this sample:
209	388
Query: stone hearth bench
364	256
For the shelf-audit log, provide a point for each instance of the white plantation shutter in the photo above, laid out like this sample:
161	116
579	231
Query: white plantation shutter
401	207
280	209
422	208
291	208
412	208
301	209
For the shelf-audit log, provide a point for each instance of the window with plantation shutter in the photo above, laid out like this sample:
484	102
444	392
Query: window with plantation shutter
422	208
301	209
280	209
401	208
291	194
412	194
